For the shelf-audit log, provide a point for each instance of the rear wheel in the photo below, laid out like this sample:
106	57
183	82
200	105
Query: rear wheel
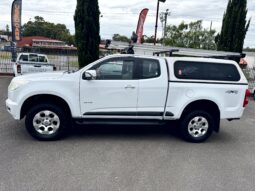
47	122
197	126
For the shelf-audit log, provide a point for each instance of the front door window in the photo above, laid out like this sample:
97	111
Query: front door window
115	69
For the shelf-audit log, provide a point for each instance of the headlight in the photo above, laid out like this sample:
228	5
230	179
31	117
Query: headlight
15	84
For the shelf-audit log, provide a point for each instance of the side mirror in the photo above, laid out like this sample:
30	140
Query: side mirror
89	75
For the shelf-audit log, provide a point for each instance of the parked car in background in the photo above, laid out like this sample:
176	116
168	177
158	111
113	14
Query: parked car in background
7	48
32	63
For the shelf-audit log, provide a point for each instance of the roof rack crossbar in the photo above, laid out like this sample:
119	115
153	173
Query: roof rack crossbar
235	58
171	51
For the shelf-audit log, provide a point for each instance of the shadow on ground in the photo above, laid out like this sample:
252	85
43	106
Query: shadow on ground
134	131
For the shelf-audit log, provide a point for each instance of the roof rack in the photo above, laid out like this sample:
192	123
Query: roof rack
170	52
149	49
217	55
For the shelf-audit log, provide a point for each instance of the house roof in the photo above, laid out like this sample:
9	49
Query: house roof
27	41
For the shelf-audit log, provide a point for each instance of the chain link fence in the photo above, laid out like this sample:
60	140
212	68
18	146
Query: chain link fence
249	72
5	63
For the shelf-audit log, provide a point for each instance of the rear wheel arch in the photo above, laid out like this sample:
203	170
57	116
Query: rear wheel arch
43	98
205	105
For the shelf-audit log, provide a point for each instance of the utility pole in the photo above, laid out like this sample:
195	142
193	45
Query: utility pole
210	36
167	13
163	19
156	25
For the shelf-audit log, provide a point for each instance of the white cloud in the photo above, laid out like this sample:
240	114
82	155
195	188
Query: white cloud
121	16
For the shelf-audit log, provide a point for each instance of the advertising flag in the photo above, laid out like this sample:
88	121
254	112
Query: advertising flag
16	20
139	30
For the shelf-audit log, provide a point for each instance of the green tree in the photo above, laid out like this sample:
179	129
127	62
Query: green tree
191	35
40	27
7	29
87	31
234	27
150	40
121	38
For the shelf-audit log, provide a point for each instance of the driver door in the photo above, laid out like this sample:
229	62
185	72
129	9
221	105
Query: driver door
113	93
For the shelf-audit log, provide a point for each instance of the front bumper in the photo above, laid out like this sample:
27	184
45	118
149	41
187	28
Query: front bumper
13	108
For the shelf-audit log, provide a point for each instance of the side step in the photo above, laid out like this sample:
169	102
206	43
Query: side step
118	122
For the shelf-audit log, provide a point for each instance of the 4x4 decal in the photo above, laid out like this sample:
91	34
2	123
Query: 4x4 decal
232	92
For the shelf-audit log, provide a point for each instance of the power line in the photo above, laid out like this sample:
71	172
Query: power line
151	14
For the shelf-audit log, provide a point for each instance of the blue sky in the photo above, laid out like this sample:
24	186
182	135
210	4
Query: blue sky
121	16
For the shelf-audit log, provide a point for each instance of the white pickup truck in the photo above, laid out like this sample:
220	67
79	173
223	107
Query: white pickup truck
32	63
125	89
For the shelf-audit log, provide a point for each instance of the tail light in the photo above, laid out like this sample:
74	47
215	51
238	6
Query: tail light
246	99
18	68
54	68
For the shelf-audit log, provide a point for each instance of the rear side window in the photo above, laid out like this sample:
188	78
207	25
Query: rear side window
206	71
33	58
149	68
23	57
42	59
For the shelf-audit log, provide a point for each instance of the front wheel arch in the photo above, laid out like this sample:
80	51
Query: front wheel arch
43	98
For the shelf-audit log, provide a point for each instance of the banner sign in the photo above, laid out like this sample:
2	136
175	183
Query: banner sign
16	20
139	30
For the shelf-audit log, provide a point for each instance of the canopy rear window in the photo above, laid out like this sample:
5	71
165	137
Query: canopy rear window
206	71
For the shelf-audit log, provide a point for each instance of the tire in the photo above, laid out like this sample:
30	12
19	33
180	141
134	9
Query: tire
197	126
47	122
254	95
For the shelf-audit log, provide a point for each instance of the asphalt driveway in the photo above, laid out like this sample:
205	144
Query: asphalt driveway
130	158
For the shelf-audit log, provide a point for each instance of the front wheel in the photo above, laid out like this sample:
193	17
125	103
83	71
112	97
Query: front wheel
47	122
197	126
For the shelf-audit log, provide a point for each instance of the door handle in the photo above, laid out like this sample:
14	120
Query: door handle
129	87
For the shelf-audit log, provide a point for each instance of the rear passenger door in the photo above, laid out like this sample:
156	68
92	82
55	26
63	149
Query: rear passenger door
153	87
